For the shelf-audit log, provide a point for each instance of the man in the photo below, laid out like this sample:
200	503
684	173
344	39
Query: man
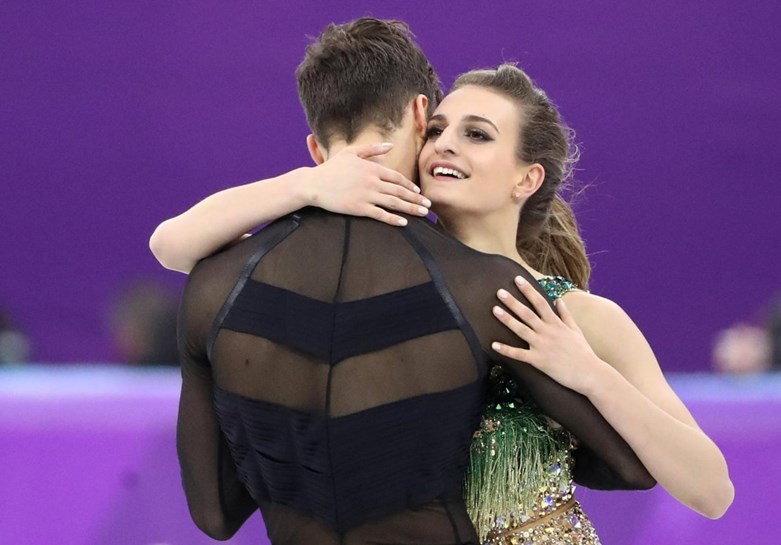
334	367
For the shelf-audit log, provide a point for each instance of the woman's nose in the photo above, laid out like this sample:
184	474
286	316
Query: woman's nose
445	142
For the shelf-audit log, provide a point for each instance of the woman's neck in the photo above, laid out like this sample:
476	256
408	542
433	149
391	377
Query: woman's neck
493	234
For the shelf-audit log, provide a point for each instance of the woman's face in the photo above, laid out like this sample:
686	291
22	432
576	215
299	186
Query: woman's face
469	162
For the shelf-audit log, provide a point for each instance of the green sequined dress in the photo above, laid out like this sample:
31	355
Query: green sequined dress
519	487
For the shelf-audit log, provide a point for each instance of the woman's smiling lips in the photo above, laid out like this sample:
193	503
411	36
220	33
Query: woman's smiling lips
441	170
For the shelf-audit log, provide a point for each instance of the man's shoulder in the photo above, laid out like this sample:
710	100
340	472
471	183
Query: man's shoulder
249	244
462	262
435	235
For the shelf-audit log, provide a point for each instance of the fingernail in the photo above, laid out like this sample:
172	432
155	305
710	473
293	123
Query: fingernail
502	294
520	280
386	145
498	311
416	188
425	202
496	346
402	221
423	210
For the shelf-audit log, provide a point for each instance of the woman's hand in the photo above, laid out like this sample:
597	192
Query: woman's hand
626	385
557	346
347	183
350	183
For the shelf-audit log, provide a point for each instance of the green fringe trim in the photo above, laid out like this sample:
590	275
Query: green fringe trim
512	464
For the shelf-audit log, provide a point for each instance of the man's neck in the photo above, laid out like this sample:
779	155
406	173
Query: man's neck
401	158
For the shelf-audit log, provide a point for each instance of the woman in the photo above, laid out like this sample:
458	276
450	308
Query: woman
495	157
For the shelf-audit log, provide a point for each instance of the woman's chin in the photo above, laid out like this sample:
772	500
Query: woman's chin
444	209
437	191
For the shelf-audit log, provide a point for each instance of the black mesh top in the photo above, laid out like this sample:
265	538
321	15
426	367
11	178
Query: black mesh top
334	371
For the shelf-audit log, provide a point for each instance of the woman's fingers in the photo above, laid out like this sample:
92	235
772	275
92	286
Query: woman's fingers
364	151
565	315
381	206
389	175
516	326
401	204
395	184
360	186
523	312
539	302
380	214
520	354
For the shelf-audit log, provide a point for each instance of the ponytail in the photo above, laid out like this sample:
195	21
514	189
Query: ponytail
557	248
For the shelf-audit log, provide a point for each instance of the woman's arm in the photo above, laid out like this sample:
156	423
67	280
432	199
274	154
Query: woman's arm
348	183
608	360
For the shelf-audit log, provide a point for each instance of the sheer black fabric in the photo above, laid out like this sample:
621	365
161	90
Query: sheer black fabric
344	363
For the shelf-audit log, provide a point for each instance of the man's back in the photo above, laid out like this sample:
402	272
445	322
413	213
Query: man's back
349	363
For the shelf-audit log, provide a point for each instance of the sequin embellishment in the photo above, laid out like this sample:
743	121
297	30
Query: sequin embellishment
556	286
519	488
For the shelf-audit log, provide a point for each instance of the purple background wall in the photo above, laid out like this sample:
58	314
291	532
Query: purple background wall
115	115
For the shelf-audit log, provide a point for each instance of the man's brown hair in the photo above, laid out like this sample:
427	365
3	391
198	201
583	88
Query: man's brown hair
363	73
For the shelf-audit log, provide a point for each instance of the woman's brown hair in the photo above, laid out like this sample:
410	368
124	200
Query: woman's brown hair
548	238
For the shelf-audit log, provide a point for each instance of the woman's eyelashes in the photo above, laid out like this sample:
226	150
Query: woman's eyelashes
433	131
470	133
478	135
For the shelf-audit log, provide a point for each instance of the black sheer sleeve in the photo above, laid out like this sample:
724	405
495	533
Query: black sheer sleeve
604	459
219	504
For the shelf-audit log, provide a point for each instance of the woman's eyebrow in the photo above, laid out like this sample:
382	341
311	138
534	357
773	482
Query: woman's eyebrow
477	118
473	118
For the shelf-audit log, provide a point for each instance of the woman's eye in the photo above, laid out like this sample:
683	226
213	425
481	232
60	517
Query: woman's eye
476	134
433	131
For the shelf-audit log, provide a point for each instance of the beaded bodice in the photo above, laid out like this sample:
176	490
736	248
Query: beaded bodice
556	286
519	483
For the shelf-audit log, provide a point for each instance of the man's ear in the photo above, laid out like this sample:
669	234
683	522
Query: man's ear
420	114
315	150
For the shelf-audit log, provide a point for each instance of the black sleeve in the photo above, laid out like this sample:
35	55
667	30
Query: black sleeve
218	502
604	459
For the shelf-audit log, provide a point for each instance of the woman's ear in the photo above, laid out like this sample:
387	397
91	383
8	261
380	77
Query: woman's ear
530	182
315	150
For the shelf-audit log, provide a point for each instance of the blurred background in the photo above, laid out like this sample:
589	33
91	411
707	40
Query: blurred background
117	115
